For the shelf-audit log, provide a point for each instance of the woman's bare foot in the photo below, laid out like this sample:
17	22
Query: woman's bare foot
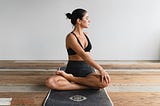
64	74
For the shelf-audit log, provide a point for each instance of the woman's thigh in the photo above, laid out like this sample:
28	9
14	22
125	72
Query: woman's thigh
79	68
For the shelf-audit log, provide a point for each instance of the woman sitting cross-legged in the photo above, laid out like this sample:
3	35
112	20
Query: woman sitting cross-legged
79	73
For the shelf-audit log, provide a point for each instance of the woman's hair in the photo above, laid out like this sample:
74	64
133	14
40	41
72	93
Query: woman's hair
76	14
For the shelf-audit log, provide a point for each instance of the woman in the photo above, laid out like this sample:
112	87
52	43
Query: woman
79	73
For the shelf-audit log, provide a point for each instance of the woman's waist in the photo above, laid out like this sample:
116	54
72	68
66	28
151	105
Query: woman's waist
75	58
77	64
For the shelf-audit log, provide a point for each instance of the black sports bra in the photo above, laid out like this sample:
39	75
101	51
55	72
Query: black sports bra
87	49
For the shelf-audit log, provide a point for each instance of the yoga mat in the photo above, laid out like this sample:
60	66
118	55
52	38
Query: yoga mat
87	97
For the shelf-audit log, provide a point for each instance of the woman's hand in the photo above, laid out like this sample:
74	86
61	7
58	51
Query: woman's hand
105	76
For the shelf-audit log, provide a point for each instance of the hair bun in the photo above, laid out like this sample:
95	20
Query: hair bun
69	15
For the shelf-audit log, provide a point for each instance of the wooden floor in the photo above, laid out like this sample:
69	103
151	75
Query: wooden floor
135	87
134	83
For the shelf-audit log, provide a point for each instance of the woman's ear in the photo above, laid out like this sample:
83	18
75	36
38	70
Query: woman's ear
78	21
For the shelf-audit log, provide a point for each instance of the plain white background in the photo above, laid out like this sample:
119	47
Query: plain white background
119	29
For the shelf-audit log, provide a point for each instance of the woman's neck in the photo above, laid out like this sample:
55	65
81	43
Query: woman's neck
78	30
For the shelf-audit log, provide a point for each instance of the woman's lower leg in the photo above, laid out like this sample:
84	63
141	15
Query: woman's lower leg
93	80
63	84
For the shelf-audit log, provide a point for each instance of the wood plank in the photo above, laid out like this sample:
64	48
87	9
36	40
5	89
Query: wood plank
132	66
133	88
37	76
134	79
135	98
133	71
30	64
33	61
116	79
56	63
23	80
110	71
27	71
25	98
23	88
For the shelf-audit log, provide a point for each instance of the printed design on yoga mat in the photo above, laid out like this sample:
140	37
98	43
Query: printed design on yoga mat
77	98
87	97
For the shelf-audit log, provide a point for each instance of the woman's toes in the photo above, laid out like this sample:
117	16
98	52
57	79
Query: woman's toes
59	72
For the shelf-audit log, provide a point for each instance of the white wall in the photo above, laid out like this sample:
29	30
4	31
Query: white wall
119	30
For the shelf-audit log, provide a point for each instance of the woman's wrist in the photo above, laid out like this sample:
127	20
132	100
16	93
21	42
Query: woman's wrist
101	70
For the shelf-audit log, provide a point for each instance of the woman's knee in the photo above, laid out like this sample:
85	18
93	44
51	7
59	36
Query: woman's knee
49	82
101	84
52	82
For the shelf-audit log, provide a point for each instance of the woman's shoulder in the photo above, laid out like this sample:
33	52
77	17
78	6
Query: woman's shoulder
70	36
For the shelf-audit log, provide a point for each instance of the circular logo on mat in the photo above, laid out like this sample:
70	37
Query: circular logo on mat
78	98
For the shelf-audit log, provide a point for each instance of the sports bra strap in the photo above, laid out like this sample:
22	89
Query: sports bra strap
77	39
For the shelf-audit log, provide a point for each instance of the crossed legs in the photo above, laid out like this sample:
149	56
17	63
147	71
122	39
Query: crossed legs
64	81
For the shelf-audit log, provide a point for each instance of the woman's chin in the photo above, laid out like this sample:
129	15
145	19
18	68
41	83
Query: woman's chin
86	27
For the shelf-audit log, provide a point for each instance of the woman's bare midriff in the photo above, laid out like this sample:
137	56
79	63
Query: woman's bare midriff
75	57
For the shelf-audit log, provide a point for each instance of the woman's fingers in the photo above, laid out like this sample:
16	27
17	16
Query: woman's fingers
102	78
107	78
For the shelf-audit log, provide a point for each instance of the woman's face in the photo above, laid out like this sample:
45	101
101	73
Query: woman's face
85	21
